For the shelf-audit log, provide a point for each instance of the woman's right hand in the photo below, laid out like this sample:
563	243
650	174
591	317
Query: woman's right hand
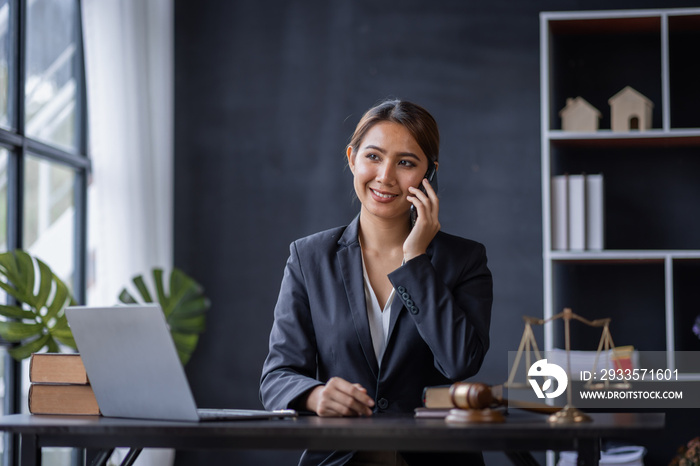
338	397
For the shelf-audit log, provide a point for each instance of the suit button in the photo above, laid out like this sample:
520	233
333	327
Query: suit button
409	303
401	290
413	310
383	403
405	296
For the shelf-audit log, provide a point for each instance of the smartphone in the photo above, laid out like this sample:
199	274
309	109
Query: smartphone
431	176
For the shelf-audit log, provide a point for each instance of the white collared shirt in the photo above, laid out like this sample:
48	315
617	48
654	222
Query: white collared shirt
378	318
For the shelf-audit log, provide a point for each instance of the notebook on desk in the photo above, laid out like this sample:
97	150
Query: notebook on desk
134	369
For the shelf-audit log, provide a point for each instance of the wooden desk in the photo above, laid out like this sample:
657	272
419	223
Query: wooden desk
521	432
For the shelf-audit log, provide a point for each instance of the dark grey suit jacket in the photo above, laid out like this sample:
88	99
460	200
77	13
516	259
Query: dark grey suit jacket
438	332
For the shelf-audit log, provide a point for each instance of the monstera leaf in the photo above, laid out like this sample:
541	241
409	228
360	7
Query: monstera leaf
39	320
184	307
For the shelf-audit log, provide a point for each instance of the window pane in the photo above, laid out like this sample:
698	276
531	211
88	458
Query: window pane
5	59
4	154
49	215
50	90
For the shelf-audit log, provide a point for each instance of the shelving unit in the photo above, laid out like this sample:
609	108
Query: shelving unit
648	277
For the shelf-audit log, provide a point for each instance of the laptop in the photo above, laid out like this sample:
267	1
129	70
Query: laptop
134	369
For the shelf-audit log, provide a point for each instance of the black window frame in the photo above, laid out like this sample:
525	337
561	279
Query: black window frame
19	147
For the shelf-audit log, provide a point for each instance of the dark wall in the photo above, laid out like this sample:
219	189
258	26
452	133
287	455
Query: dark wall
267	94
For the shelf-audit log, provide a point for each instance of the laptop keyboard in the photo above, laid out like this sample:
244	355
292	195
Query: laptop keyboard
210	414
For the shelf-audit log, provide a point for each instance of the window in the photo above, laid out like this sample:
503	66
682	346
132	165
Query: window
43	154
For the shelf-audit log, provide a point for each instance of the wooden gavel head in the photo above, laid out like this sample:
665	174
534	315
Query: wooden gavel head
466	395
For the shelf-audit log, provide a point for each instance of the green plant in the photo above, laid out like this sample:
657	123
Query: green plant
38	321
184	306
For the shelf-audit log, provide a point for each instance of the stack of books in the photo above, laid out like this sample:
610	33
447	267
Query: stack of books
577	212
59	385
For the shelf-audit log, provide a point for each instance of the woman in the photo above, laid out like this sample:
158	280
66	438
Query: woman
371	313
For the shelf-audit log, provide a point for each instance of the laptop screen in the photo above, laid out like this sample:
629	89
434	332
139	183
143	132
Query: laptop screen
132	363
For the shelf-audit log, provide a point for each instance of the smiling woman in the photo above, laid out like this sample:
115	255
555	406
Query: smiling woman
371	313
385	166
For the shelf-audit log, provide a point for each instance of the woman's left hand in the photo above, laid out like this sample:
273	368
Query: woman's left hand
427	225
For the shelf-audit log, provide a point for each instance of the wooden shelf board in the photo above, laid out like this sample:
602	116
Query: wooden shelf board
683	23
622	25
620	21
607	138
623	256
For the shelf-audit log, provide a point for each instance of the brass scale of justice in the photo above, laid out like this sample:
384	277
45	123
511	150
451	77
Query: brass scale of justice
474	401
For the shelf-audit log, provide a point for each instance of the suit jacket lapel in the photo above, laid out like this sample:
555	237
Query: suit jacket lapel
350	260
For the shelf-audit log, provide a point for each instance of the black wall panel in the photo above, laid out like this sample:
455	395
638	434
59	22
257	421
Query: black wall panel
267	94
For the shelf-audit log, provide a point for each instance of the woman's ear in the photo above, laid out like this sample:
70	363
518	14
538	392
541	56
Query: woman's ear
437	165
351	159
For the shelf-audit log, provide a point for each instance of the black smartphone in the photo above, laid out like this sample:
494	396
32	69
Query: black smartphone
431	176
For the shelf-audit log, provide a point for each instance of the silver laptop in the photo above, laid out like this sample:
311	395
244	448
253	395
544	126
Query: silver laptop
134	369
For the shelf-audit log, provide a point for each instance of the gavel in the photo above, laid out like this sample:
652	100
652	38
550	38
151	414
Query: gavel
473	395
477	395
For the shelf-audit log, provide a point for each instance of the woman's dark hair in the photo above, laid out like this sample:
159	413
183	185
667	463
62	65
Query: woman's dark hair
414	118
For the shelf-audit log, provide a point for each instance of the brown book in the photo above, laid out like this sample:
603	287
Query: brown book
437	397
62	399
57	368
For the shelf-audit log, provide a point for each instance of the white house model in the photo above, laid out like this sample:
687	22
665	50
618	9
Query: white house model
630	110
579	115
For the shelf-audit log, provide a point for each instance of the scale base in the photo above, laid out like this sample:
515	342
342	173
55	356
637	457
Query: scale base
569	415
